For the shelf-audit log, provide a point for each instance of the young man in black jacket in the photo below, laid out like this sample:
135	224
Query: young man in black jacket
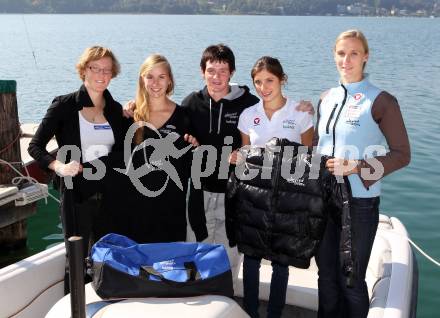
214	113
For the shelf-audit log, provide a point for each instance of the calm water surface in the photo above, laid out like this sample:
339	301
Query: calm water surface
404	60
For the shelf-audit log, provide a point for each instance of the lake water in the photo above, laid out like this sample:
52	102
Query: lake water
404	60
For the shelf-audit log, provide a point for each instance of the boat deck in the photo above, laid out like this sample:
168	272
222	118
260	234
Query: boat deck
28	131
288	312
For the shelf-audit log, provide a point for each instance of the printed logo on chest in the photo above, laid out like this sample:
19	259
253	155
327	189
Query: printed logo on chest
352	115
358	96
231	118
354	110
289	123
168	129
102	127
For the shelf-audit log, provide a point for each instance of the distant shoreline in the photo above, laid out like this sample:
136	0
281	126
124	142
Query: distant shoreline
214	14
352	8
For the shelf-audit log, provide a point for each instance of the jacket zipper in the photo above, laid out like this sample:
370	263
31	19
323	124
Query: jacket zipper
337	118
278	169
318	113
327	129
274	200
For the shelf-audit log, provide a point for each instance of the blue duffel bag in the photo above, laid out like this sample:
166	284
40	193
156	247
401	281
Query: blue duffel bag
122	268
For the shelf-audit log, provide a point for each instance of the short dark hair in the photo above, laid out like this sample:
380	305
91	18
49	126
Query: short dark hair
218	53
270	64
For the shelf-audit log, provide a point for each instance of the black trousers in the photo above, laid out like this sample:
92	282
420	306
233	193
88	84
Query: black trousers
335	298
251	283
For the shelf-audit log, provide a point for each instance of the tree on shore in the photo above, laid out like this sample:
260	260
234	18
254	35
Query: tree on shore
272	7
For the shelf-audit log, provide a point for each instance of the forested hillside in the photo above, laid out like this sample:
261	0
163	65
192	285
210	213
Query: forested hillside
276	7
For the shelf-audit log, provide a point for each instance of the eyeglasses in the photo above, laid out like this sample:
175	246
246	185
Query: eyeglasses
97	70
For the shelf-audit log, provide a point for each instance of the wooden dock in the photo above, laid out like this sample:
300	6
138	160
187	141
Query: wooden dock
14	141
10	214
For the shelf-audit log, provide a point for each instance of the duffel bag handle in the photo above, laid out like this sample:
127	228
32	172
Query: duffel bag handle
190	267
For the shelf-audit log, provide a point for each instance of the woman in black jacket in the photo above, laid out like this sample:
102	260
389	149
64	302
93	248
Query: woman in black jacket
274	116
89	128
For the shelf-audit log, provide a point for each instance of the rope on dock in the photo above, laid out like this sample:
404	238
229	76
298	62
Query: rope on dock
9	145
28	178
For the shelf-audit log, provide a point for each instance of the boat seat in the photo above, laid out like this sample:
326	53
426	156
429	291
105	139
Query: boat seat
302	290
189	307
378	276
390	271
30	287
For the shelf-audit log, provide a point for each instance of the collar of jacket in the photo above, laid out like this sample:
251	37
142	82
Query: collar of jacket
83	99
356	86
236	92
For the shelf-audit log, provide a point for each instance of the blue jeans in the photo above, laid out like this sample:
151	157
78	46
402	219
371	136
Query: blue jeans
335	298
251	283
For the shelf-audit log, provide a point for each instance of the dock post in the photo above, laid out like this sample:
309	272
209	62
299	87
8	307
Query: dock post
13	229
76	277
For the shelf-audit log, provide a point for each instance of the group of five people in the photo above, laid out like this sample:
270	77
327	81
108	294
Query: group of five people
226	116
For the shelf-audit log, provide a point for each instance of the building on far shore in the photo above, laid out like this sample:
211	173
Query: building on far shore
362	9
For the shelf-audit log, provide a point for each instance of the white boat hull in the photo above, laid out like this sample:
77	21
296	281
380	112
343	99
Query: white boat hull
31	287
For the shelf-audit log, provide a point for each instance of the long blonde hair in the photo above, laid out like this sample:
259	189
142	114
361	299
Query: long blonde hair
142	109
